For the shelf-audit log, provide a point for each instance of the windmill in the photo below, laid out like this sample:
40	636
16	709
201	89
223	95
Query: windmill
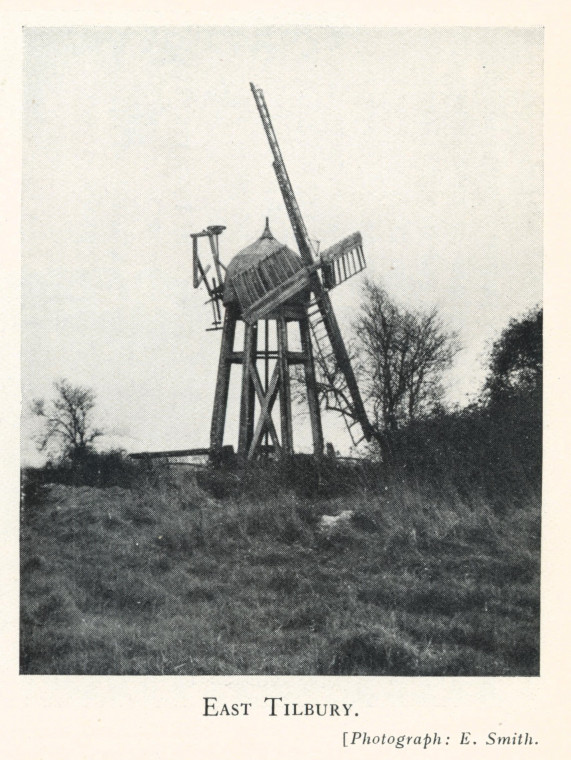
271	289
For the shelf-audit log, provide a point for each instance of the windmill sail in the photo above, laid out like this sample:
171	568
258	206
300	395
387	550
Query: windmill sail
342	260
331	345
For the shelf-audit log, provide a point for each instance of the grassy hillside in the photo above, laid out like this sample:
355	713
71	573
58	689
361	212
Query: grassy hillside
167	579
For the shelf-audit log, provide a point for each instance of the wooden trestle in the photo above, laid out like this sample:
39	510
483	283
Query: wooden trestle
260	390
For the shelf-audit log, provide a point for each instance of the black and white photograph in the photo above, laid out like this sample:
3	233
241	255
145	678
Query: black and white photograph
281	351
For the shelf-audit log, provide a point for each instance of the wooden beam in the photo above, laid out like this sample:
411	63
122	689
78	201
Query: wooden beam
285	393
167	454
311	388
223	380
293	357
253	355
245	403
266	405
266	363
289	288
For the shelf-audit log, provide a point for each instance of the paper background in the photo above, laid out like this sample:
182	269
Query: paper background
150	717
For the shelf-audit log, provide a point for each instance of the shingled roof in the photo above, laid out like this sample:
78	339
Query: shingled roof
253	255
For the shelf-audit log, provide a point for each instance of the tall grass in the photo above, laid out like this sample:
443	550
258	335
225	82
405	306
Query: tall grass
232	574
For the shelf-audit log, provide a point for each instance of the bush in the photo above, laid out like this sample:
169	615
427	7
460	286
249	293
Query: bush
300	474
490	452
98	469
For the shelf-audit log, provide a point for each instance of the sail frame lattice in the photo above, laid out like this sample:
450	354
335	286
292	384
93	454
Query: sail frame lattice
342	261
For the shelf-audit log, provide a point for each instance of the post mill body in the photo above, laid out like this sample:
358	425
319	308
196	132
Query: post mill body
276	292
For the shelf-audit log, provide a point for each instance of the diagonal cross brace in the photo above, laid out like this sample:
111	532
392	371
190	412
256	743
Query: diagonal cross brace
267	401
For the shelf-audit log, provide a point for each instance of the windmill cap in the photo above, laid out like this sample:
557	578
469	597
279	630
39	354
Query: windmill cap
254	254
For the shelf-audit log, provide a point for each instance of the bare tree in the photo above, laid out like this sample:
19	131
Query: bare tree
402	355
68	430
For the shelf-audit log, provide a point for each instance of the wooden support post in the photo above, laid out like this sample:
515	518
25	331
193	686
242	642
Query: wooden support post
285	392
222	381
311	388
252	390
246	405
266	364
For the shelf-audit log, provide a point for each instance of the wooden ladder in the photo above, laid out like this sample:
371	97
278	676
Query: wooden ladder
329	374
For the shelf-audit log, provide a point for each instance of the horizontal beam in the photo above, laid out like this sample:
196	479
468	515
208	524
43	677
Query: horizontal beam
293	357
166	454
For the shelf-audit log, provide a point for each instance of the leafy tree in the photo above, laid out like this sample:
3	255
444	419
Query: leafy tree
402	357
516	361
68	431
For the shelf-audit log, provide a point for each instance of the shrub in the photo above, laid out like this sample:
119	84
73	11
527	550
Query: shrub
490	452
98	469
300	474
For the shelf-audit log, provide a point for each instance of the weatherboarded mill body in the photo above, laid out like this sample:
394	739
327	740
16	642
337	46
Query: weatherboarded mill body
280	300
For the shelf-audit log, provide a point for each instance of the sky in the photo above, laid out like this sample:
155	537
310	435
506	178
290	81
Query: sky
427	141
